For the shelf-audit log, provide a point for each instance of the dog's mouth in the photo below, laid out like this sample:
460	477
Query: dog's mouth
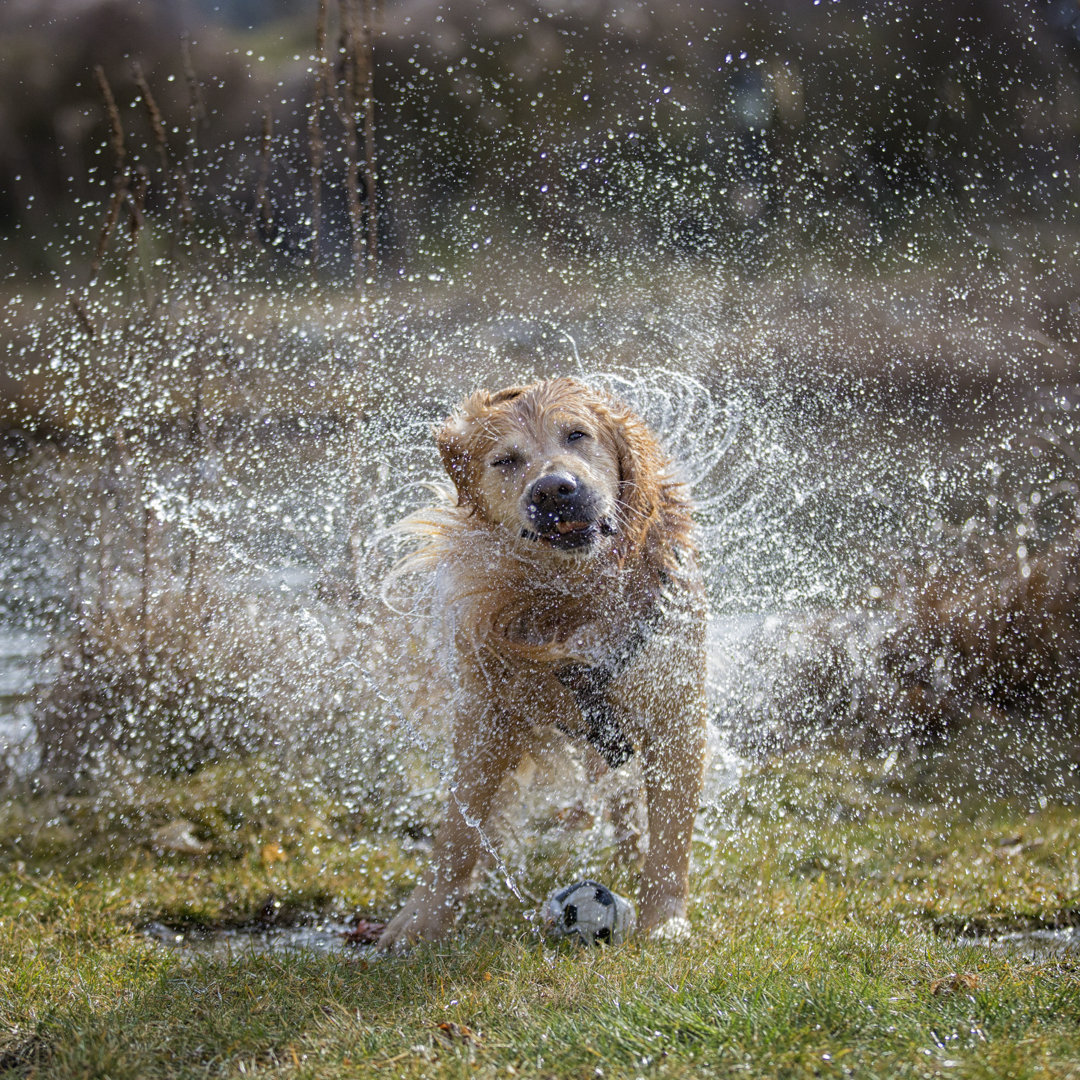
569	535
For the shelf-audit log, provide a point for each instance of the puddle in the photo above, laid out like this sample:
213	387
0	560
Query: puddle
1037	944
319	937
21	665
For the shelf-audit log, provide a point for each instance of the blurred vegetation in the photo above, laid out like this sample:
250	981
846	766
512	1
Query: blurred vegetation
676	129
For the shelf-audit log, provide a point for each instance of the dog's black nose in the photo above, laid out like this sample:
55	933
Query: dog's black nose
552	492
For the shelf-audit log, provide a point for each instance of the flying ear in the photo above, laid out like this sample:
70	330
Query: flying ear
639	459
457	438
453	443
460	434
508	394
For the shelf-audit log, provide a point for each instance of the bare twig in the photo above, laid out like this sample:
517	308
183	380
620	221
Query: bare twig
82	315
101	525
348	102
137	209
196	105
116	128
368	98
112	216
197	438
120	179
357	111
157	123
196	115
322	90
262	198
137	203
145	574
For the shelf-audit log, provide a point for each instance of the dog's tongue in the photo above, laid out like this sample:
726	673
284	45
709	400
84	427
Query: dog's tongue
565	527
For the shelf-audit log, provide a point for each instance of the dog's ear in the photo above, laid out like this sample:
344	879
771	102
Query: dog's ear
457	437
640	468
508	394
453	443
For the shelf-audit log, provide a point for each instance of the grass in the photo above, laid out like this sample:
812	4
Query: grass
826	910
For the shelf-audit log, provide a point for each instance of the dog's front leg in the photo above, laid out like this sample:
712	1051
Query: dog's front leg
484	753
673	763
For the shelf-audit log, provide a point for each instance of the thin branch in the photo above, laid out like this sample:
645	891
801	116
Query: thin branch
349	100
116	133
157	122
368	98
196	116
322	90
262	198
120	178
87	323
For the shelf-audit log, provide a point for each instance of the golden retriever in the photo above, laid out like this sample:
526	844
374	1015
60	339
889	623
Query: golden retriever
570	587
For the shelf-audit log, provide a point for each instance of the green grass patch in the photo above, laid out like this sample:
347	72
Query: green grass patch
829	917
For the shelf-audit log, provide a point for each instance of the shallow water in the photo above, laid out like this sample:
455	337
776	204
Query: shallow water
1036	945
740	677
315	937
22	665
330	936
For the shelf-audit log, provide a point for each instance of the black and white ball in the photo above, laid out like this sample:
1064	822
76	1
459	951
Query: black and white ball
589	912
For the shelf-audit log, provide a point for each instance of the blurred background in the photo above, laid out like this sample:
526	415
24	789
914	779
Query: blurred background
722	130
252	250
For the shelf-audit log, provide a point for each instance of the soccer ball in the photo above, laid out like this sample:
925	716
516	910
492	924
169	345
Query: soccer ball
590	913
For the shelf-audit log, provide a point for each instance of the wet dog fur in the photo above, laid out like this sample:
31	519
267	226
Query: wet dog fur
565	549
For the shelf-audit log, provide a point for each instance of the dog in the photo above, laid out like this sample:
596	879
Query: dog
569	585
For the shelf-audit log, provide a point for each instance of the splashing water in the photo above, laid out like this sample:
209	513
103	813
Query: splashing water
876	420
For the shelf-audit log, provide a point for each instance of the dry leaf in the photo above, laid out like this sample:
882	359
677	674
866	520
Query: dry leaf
449	1032
273	853
954	983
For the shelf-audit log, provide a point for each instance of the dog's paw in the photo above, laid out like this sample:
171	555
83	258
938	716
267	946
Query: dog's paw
424	920
404	931
677	928
393	940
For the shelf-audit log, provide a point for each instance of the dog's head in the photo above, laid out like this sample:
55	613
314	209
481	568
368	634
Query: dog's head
555	463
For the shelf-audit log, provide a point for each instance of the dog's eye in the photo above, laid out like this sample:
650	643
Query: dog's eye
575	435
504	462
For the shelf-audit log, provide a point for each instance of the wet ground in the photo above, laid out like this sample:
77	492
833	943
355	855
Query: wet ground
329	936
1044	944
315	936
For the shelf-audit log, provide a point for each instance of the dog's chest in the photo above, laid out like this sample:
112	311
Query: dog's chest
569	629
